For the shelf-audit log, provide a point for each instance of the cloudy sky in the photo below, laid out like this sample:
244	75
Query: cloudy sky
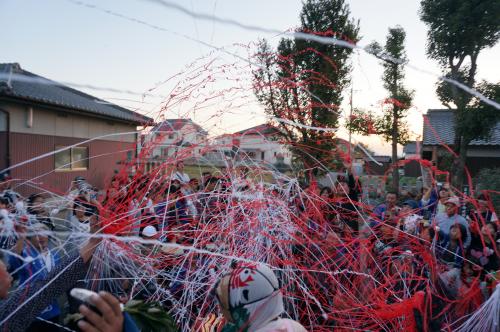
78	42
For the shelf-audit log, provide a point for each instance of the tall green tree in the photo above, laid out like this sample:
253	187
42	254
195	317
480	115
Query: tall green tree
302	81
458	31
391	124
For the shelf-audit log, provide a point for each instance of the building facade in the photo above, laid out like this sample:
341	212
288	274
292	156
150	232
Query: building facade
439	131
259	144
51	133
176	137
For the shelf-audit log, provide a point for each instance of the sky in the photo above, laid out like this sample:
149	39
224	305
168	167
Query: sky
73	41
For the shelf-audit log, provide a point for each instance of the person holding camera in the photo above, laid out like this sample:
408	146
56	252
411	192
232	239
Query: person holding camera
21	307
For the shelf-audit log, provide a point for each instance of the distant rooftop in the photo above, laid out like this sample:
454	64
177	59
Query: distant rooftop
17	83
171	125
263	129
380	159
439	129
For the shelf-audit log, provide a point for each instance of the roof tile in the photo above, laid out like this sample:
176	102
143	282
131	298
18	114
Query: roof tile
19	83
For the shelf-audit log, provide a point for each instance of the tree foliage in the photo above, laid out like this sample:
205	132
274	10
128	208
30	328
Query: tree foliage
489	179
399	97
302	81
458	31
391	123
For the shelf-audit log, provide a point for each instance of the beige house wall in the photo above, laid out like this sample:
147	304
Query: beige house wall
35	120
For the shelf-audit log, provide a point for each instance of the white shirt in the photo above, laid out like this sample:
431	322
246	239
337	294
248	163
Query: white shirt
182	177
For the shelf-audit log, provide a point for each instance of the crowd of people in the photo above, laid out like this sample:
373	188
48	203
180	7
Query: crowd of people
419	247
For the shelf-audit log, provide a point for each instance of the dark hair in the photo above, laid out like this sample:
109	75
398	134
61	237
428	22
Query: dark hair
32	198
393	192
432	231
79	201
172	189
4	200
90	209
463	231
327	190
482	197
211	180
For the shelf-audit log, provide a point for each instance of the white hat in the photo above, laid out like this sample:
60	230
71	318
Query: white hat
149	231
453	200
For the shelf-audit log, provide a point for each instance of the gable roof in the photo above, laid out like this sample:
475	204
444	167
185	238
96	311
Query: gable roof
260	130
441	123
20	84
172	125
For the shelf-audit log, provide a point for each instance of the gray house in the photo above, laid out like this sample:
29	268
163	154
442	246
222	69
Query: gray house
439	131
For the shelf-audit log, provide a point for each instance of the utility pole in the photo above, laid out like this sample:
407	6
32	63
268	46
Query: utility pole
350	119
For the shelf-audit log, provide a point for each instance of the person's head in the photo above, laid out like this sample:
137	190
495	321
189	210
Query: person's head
211	183
458	233
4	203
400	263
386	231
443	193
326	193
471	267
35	203
38	237
249	296
390	216
342	187
176	183
482	203
451	206
4	181
171	192
391	198
408	206
5	280
78	182
194	184
80	207
427	233
115	182
489	231
180	166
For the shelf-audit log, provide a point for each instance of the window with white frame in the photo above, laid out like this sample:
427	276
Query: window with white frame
71	159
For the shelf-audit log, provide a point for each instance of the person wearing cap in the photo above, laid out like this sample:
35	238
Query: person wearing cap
450	217
250	299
